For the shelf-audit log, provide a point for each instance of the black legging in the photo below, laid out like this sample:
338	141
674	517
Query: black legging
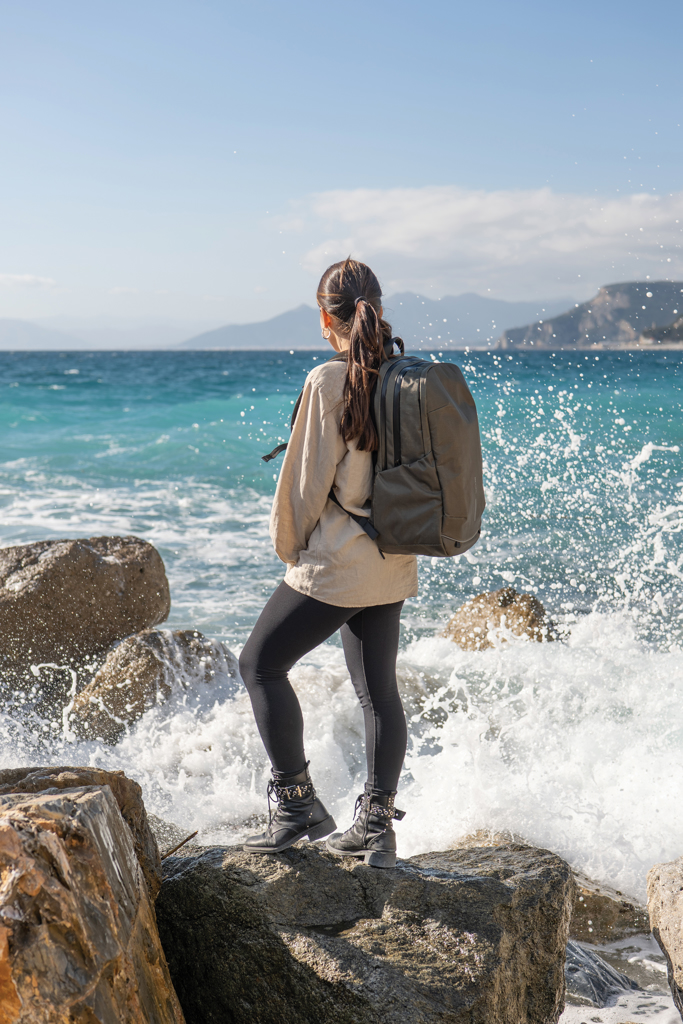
290	626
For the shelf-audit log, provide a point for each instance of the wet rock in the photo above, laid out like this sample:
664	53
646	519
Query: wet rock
166	833
602	914
143	670
591	981
522	614
126	792
665	906
64	601
78	939
470	936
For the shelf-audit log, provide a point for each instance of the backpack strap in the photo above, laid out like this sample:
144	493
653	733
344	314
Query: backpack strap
363	521
281	447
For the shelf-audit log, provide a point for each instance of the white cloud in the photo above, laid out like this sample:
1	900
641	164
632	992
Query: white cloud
123	291
25	281
518	244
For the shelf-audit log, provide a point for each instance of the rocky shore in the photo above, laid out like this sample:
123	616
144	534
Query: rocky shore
492	930
470	935
476	934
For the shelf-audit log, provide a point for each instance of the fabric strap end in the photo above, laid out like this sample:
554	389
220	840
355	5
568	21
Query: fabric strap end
275	452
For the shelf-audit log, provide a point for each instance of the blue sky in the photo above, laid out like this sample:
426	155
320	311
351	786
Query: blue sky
203	161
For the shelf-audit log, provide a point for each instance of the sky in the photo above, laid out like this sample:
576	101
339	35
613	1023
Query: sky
203	162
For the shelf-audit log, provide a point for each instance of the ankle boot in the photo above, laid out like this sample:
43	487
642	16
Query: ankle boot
299	813
372	835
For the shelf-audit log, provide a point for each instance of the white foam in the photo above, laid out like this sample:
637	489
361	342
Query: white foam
629	1008
575	746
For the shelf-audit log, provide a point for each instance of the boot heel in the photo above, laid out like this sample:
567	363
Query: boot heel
323	829
380	860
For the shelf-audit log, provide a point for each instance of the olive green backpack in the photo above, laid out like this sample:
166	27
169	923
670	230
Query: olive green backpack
428	495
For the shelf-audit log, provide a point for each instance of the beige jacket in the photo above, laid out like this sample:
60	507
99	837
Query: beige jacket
329	557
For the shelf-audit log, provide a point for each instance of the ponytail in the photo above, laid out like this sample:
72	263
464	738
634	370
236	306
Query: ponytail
350	293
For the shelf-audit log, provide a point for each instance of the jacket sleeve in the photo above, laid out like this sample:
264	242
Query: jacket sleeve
314	451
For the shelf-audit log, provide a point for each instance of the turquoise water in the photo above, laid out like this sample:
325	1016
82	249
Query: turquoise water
576	745
582	472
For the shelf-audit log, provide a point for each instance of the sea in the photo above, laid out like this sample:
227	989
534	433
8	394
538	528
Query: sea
574	745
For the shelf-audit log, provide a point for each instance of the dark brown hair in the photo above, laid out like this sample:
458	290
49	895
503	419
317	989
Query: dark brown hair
350	292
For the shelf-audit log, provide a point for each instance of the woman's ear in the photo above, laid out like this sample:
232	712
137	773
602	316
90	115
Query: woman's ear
325	319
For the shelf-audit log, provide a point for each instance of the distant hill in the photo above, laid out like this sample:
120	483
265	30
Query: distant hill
18	335
454	321
614	318
451	322
298	328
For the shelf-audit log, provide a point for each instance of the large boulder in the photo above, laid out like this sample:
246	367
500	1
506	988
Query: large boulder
143	670
64	601
303	937
474	624
78	939
665	906
126	792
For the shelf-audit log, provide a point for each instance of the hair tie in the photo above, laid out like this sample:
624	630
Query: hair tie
361	298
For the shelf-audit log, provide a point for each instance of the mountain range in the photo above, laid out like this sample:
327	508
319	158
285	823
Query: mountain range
453	321
619	316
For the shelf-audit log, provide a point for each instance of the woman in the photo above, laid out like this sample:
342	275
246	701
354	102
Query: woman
336	578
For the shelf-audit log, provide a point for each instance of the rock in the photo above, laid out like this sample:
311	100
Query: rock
143	670
62	602
166	833
614	318
591	981
78	939
472	936
602	914
599	914
665	905
126	792
521	614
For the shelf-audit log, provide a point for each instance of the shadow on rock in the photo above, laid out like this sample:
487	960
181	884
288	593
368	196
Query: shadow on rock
305	937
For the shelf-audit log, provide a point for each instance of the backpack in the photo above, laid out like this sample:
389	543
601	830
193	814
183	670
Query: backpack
427	495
